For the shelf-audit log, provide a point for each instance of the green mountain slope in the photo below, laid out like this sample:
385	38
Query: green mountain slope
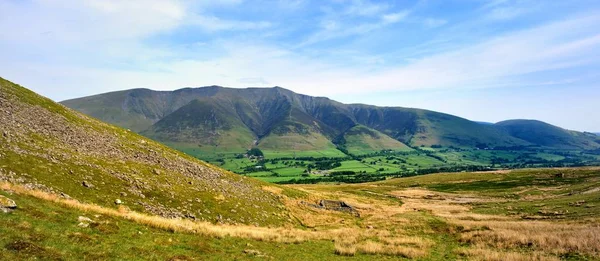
363	140
48	146
203	123
544	134
422	127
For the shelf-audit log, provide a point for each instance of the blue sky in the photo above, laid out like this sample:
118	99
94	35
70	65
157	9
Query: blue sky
485	60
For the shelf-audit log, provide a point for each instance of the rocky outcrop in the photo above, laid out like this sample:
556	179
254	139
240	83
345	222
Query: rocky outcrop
334	205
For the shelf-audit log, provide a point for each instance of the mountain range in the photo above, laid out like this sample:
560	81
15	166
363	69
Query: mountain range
276	119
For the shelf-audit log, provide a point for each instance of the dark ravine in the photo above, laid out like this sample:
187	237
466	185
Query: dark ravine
239	118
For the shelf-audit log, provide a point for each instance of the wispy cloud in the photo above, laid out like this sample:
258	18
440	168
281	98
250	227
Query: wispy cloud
432	22
364	8
212	23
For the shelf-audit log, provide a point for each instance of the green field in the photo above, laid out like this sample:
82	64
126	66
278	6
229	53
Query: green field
290	166
329	153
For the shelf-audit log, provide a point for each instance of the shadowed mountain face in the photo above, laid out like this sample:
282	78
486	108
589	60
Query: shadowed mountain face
279	119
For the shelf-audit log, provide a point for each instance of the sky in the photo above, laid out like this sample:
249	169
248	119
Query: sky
484	60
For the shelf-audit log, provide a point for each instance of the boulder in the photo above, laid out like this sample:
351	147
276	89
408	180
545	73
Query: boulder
87	184
6	204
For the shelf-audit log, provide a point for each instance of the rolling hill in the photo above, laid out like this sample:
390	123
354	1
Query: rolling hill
47	146
544	134
227	120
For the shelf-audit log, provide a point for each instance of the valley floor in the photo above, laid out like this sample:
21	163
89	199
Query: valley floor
539	214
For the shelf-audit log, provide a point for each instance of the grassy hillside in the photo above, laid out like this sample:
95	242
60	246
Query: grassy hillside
363	140
544	134
47	146
203	123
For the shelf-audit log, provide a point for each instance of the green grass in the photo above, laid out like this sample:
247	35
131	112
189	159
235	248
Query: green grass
328	153
42	230
293	171
354	165
361	140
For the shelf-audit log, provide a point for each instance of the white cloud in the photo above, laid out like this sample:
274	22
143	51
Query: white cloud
332	29
89	20
96	32
394	17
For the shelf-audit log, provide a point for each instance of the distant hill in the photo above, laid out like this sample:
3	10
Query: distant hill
547	135
219	120
50	147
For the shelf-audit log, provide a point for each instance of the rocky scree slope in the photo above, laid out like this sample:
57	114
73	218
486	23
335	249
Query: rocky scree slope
47	146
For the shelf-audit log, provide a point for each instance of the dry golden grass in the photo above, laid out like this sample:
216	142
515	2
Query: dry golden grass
179	225
556	238
493	255
369	247
345	249
411	241
272	189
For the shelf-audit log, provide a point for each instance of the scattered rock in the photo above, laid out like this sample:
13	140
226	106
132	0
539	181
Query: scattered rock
578	203
118	202
252	252
64	195
84	219
123	194
87	184
6	204
83	225
156	171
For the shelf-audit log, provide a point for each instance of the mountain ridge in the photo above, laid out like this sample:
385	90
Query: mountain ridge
274	111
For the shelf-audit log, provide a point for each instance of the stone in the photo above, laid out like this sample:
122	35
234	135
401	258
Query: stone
87	184
7	205
84	219
118	202
123	194
156	171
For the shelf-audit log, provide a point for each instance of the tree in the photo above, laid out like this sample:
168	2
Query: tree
255	152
